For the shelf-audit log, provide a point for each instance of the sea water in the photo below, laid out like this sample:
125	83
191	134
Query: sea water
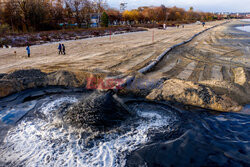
158	135
244	28
43	140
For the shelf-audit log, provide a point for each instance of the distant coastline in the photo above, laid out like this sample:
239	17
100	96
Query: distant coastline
246	27
246	20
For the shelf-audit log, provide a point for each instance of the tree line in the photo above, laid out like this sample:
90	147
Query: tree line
161	15
38	15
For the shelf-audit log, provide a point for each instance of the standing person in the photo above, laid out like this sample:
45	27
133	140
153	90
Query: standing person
203	23
164	26
60	49
28	50
63	49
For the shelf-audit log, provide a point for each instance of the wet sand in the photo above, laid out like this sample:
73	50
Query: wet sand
218	58
213	55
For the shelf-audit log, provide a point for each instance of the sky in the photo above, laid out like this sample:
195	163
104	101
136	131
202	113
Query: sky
199	5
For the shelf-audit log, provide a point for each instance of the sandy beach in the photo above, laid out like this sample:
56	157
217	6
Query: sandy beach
121	54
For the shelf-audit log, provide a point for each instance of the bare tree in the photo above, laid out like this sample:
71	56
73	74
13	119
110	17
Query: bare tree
56	12
24	12
76	7
11	15
86	11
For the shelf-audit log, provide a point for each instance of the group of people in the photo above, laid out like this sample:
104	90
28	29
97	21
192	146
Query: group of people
61	49
178	26
165	26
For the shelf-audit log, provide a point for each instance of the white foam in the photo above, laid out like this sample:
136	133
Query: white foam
47	109
42	143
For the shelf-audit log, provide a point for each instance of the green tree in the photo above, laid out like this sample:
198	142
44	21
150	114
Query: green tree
104	20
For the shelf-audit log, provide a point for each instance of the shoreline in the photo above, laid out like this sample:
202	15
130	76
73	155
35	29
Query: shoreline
78	40
67	35
245	23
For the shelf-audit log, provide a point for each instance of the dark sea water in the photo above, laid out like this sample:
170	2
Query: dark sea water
33	134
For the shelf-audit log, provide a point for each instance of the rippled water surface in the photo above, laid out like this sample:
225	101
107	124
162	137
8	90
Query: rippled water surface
35	135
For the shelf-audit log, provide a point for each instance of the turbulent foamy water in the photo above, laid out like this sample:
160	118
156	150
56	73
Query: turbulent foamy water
33	133
45	141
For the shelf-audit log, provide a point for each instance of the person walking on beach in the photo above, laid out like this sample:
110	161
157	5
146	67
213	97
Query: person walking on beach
28	50
203	24
63	49
60	48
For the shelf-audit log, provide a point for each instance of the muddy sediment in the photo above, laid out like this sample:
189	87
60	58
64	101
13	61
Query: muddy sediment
32	78
99	112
